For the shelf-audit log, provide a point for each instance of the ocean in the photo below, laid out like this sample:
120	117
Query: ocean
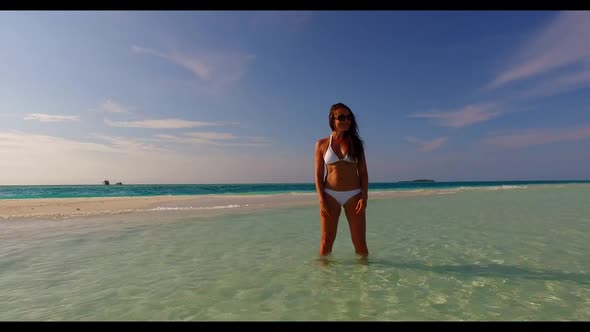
500	251
138	190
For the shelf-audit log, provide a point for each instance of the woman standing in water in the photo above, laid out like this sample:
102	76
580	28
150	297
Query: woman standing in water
345	183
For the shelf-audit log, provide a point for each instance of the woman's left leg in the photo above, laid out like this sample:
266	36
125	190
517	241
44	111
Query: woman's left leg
357	225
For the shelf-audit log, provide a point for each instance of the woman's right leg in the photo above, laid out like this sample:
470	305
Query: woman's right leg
329	228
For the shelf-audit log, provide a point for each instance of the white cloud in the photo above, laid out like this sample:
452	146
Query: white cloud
466	116
214	139
538	136
39	159
570	81
126	144
51	117
22	142
165	124
563	42
217	68
427	145
211	135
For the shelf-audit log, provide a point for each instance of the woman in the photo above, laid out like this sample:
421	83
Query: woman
345	183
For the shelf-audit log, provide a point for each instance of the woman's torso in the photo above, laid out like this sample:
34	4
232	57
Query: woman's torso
341	175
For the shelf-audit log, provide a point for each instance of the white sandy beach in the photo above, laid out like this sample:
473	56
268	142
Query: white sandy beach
62	207
53	208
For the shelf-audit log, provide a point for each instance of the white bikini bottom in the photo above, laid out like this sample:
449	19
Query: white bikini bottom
342	196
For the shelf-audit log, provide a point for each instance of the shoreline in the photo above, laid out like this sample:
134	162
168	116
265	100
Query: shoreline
85	206
55	208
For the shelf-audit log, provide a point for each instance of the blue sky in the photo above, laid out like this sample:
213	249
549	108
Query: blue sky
242	97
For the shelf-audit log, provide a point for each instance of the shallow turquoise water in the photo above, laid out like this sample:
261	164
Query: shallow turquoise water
514	254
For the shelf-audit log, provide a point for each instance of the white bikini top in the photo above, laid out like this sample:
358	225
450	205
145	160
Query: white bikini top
330	157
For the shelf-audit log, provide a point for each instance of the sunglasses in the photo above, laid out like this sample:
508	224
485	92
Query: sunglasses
343	117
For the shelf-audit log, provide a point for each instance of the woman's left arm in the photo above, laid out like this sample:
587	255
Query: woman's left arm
364	177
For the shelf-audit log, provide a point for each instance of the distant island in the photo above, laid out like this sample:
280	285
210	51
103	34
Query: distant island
419	180
108	183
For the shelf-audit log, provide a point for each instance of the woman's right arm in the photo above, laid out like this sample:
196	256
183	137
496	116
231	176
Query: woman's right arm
319	181
319	171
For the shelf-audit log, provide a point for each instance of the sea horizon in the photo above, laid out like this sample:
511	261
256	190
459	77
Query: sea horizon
39	191
283	182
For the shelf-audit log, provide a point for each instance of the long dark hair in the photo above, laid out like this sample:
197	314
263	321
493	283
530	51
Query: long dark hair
356	150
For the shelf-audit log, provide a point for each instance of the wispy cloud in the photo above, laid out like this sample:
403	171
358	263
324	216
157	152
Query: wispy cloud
165	124
561	43
211	135
523	138
466	116
51	117
126	144
197	66
565	82
427	145
216	69
214	139
34	142
113	107
93	159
